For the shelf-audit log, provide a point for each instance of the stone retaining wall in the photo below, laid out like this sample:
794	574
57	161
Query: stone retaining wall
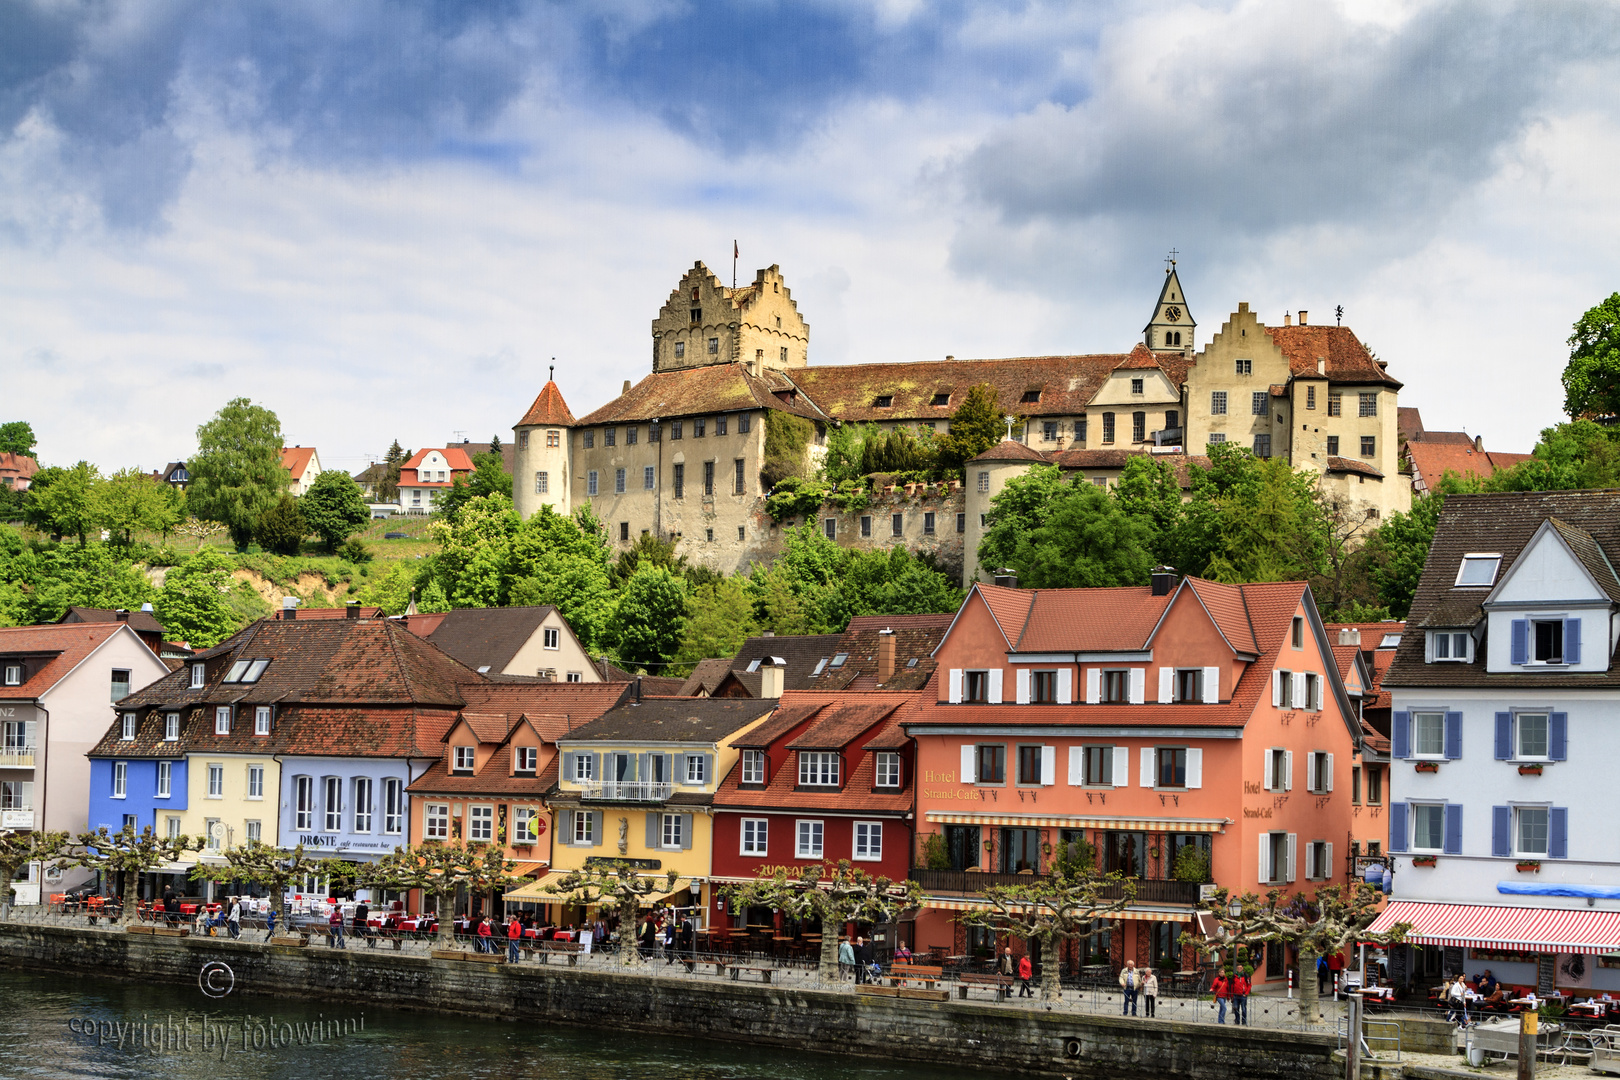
959	1033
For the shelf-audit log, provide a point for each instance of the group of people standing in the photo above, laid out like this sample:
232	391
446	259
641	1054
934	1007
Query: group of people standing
1143	984
662	932
1234	990
858	957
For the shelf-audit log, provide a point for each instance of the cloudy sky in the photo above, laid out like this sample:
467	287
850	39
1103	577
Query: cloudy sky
384	219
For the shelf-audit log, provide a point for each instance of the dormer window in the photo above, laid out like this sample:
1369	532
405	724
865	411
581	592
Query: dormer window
463	760
818	768
198	675
941	399
222	720
1478	570
261	720
128	732
13	675
883	401
1453	645
753	766
528	757
1031	396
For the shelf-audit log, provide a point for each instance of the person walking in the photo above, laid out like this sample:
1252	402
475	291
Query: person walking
362	924
486	936
1222	989
1150	993
269	922
846	959
1322	976
171	906
669	940
1240	998
234	925
649	935
334	926
1130	981
1006	970
1457	998
1026	971
514	938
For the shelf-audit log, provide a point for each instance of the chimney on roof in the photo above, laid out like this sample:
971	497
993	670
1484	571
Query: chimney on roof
638	689
1302	314
289	607
1321	365
770	677
351	610
1349	635
1005	578
122	615
626	389
147	607
885	655
1163	580
1288	320
949	357
1479	444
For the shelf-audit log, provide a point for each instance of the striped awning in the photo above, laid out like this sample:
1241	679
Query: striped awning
1138	914
1067	821
1490	926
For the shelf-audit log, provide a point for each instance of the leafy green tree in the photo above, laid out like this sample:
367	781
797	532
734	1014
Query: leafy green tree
1087	541
617	890
1271	528
45	580
18	850
976	426
194	604
63	502
440	869
899	452
650	618
1051	910
1149	492
474	563
131	854
236	474
17	437
895	582
282	527
1592	376
131	499
334	509
720	619
1571	456
488	477
833	895
1022	506
565	561
845	452
391	590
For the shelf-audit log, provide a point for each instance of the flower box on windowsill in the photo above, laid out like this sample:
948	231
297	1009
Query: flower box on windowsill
1427	766
1529	770
1527	866
1424	860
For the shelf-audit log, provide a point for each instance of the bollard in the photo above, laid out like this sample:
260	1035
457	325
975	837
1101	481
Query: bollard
1352	1040
1527	1045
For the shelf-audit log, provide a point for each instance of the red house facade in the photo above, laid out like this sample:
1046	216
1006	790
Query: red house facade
1152	729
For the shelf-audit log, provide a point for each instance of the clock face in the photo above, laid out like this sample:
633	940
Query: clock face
1172	313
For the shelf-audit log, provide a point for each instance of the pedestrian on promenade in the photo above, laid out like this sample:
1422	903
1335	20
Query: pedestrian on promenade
362	924
1130	981
1322	976
846	958
1006	968
1150	993
514	938
486	936
1026	971
1222	989
1240	998
669	939
235	923
270	922
171	906
863	961
649	935
334	926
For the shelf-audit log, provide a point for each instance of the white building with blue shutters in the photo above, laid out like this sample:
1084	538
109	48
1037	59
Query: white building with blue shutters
1504	814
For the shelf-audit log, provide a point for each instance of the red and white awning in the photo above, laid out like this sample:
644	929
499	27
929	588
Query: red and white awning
1489	926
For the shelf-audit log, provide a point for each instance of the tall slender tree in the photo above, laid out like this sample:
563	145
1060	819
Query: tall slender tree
236	474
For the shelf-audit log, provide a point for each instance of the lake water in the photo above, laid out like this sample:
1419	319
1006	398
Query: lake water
66	1026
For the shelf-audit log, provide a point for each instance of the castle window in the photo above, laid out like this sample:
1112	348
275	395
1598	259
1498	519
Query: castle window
719	425
1138	426
618	481
610	436
1031	396
928	522
523	440
1172	419
624	532
680	480
1136	386
590	440
984	482
1333	446
631	435
941	399
1080	430
1217	436
779	322
743	423
680	349
1258	404
1245	367
961	527
542	483
1049	430
590	482
1368	446
714	346
648	476
1369	404
784	354
697	429
675	429
883	401
1310	397
1217	402
1335	403
553	439
1262	446
1108	427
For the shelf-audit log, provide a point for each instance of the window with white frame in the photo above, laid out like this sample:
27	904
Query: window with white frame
818	768
1530	737
1319	772
171	727
553	637
255	831
393	805
464	758
173	827
304	802
1452	645
696	769
216	781
165	779
810	834
755	832
261	720
362	804
222	720
128	731
868	840
1428	826
333	790
255	781
584	828
480	823
1530	831
1478	569
528	759
120	787
1429	734
212	833
1279	771
584	768
753	766
436	821
886	767
670	832
14	674
198	676
524	819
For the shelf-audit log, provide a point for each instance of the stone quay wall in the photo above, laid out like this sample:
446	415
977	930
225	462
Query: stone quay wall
965	1034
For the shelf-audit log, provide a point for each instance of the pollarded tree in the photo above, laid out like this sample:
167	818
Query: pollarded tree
274	868
1334	919
619	890
131	854
236	474
439	868
19	849
834	895
334	509
1052	910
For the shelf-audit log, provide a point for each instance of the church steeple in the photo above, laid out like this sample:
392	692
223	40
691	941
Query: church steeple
1172	328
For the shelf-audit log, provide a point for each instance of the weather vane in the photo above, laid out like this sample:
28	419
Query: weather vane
1170	260
1338	315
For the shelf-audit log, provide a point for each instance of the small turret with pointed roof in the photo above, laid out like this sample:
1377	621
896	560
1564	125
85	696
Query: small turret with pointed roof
1172	328
540	467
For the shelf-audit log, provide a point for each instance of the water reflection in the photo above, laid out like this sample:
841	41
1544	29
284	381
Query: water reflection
36	1012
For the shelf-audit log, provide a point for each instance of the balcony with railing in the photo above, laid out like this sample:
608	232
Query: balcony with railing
934	882
637	791
17	757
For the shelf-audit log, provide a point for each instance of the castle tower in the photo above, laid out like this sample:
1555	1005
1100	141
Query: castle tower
1171	329
540	467
704	322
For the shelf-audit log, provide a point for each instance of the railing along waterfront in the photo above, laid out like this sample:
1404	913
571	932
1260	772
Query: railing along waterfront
974	881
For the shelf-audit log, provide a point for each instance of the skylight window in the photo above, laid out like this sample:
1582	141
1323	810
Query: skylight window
821	666
1391	641
1478	569
753	665
246	671
838	660
255	671
912	662
238	669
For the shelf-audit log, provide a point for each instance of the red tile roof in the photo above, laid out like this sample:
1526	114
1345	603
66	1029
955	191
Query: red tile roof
1351	465
455	458
16	470
714	388
495	778
836	726
850	391
71	642
1227	605
295	459
1009	607
548	408
1068	620
1009	450
1432	460
1139	357
1347	358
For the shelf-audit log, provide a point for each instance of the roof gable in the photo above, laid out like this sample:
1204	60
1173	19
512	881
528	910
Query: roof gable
1561	562
480	637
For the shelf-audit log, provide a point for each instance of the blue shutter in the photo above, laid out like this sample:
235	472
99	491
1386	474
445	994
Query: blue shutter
1558	736
1397	826
1453	736
1501	831
1504	736
1521	641
1558	832
1454	813
1572	641
1400	735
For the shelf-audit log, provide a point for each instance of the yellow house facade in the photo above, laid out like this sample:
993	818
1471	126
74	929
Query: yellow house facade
231	799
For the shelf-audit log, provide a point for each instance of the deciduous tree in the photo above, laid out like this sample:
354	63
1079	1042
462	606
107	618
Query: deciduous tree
834	894
236	474
194	602
617	889
17	437
1054	909
720	619
274	868
130	499
19	849
1592	376
63	502
334	509
650	618
130	854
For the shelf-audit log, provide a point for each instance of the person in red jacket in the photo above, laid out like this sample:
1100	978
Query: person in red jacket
1240	998
486	936
514	937
1222	991
1025	971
